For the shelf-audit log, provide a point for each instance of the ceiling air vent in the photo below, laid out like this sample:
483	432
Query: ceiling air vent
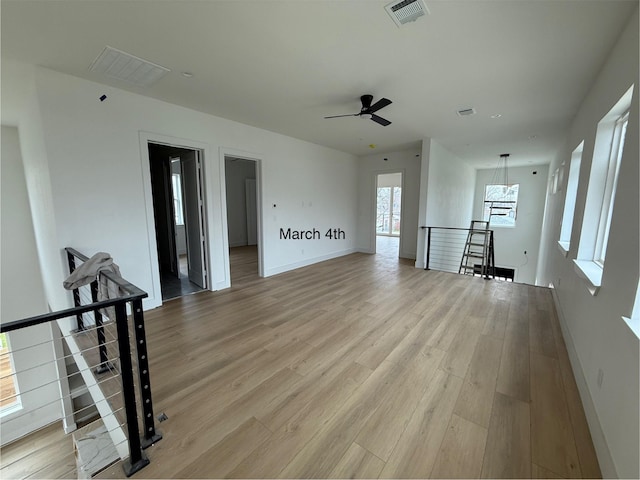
123	66
465	112
406	11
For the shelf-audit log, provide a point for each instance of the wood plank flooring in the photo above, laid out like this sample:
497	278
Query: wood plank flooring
364	367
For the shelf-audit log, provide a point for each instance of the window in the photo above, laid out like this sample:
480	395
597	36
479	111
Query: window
606	212
177	198
571	193
9	395
601	193
501	204
388	214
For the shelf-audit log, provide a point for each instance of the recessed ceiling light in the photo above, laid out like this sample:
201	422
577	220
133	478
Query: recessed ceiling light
187	74
496	115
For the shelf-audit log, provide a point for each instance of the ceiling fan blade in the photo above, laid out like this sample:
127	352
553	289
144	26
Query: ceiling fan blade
348	115
382	121
383	102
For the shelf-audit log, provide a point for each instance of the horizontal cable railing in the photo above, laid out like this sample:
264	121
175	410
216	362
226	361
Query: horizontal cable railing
445	246
96	358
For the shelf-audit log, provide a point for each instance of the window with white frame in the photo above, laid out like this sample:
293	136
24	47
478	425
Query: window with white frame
571	193
501	204
177	198
601	193
617	145
10	395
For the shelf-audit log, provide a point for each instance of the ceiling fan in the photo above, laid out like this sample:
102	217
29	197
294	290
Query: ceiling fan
367	110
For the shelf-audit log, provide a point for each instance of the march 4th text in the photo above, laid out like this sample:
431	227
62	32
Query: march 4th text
315	234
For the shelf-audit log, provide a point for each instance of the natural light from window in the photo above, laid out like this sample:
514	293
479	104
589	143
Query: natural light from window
9	397
601	193
571	194
177	198
388	211
501	204
604	225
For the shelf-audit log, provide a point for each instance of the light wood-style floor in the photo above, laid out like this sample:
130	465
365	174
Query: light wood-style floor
365	367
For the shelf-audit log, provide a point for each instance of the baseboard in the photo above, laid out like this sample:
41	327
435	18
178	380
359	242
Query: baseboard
607	466
306	262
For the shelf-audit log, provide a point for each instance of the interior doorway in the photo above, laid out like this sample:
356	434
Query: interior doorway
242	219
178	209
388	213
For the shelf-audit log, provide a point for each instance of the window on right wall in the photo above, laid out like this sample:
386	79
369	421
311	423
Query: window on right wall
571	193
617	145
601	193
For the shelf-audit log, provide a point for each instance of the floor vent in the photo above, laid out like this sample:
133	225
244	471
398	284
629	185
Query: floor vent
406	11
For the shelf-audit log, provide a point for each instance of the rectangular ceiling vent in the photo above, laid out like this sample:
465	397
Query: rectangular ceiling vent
123	66
465	112
406	11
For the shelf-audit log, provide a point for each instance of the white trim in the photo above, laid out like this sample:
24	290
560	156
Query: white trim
607	467
591	273
608	198
155	296
374	211
634	325
563	247
257	158
309	261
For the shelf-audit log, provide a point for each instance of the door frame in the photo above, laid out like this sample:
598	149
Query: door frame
257	158
374	208
155	296
189	222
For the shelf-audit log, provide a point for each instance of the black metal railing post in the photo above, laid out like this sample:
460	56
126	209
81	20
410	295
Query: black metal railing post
137	459
151	436
426	265
76	293
493	256
104	366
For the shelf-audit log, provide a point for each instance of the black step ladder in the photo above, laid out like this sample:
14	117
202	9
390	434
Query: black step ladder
478	249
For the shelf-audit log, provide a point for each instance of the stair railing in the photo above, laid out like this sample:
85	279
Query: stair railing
130	298
445	246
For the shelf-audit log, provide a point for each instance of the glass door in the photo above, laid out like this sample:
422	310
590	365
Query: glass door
389	201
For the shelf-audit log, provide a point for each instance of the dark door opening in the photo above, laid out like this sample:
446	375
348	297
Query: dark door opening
176	186
242	219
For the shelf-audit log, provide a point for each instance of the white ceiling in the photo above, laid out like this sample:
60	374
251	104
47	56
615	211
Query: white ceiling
284	65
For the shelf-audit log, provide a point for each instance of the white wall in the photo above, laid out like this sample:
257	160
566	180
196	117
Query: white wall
446	192
512	242
407	162
96	194
236	172
597	337
22	295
